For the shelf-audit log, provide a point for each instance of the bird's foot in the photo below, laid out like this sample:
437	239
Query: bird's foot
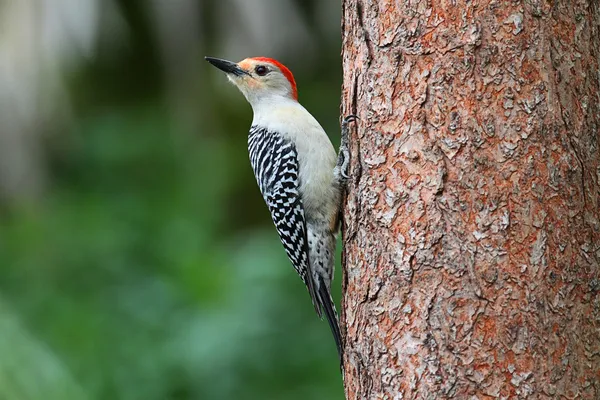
343	162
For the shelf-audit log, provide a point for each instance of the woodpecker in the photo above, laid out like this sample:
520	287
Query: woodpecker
298	173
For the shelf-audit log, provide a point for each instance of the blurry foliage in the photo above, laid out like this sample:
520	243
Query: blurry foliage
151	269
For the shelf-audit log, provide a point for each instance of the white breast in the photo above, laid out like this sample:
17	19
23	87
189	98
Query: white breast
316	155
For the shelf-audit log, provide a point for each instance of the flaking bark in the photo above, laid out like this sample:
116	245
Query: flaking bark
472	222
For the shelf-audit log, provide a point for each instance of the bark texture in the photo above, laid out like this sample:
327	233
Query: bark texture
472	223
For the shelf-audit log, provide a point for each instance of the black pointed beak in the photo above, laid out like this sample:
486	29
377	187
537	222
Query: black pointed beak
226	66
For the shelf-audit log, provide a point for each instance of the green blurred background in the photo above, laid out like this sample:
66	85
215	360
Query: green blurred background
137	260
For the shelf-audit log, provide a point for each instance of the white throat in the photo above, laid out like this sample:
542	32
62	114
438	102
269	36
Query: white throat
269	109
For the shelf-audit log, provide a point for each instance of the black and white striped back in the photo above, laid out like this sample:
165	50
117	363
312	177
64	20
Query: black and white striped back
274	160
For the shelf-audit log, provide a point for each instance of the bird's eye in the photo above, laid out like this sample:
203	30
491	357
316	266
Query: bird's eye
261	70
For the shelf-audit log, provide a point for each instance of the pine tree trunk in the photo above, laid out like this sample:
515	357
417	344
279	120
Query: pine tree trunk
472	222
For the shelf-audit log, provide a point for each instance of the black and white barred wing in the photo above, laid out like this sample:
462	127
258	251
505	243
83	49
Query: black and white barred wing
275	163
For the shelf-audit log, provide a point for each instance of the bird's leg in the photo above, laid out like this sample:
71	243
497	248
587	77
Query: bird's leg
343	162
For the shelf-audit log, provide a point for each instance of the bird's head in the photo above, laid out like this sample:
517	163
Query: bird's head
259	78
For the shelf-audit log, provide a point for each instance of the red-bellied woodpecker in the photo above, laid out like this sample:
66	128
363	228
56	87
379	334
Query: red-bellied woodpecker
298	173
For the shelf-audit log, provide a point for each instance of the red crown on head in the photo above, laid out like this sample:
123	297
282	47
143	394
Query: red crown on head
284	70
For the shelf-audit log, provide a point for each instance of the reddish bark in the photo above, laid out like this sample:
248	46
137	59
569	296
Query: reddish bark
472	224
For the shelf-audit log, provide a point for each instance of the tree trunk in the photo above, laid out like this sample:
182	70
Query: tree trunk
472	222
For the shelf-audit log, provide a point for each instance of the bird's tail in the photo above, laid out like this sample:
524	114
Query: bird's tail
326	302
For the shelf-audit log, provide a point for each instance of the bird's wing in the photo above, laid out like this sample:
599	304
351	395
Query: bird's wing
275	163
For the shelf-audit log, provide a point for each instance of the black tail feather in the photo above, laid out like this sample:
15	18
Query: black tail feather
332	318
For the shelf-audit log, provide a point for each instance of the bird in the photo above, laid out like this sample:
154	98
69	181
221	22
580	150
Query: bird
298	172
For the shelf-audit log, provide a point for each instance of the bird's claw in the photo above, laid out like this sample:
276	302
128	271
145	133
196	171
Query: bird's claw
350	118
345	129
344	167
